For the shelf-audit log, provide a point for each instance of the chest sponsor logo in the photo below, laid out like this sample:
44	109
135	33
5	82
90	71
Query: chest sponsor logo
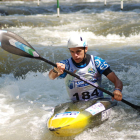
73	84
91	70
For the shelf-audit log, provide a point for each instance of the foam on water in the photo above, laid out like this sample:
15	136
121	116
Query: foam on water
59	38
26	104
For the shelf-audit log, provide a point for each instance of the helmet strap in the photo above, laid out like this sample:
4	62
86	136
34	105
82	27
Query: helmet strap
84	53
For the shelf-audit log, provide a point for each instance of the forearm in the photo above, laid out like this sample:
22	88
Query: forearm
115	80
53	75
57	71
118	84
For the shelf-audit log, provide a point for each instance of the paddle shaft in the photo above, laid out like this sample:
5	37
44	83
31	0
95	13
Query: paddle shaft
90	83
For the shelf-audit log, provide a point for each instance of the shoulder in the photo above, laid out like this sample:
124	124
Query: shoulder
100	64
66	62
98	60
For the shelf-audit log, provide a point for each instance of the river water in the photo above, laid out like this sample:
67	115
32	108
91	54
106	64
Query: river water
27	95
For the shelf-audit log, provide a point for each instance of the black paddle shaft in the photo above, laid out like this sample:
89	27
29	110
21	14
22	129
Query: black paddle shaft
90	83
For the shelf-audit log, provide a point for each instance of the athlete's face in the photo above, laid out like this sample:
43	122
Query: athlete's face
78	53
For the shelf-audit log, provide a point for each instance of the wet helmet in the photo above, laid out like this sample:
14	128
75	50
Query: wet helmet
76	41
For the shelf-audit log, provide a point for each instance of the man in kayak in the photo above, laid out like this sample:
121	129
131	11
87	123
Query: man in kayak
87	66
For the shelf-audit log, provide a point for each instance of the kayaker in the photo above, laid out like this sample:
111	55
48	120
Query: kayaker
88	66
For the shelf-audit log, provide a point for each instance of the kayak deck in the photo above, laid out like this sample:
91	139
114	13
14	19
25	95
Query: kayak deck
73	118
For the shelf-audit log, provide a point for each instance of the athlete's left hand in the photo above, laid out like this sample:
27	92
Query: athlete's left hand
117	95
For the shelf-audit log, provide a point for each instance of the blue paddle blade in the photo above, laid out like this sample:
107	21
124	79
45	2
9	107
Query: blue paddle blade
23	47
15	44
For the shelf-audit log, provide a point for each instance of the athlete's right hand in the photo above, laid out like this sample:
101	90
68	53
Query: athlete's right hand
60	68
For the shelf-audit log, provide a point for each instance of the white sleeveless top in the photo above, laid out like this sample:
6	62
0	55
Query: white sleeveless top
79	90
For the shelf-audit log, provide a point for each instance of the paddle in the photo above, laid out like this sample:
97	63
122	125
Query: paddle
15	44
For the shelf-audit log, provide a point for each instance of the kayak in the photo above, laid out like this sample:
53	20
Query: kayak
72	118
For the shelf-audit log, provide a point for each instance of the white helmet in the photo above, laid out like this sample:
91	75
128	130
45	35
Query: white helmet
76	41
